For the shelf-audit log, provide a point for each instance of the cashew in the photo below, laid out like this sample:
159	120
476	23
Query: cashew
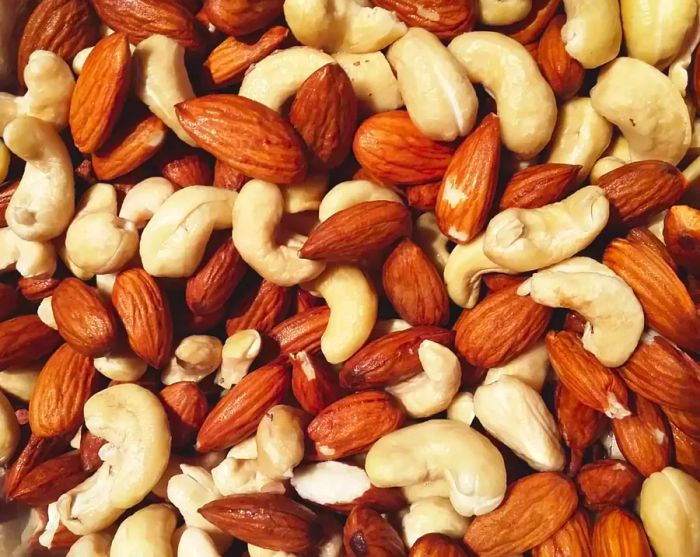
593	32
256	216
503	12
347	194
49	89
245	450
374	83
330	482
531	367
144	199
306	195
432	390
42	205
146	533
174	240
430	238
105	285
280	441
10	430
239	352
426	490
194	541
161	80
133	422
678	68
527	108
441	450
647	108
439	98
615	319
4	161
616	155
45	313
527	239
385	326
53	522
515	414
29	259
19	381
432	515
342	25
195	357
237	475
462	408
669	506
92	545
80	58
353	304
255	551
277	77
121	365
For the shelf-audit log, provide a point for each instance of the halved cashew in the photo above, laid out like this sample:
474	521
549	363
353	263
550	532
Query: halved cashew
280	441
342	25
330	483
29	259
239	351
147	533
195	541
427	234
42	205
462	408
515	414
9	428
347	194
374	83
174	240
132	421
79	60
647	108
441	450
277	77
531	367
353	304
581	136
161	80
144	199
256	217
92	545
50	85
45	313
19	381
527	109
593	31
306	195
121	365
439	98
432	390
432	515
615	319
503	12
527	239
195	357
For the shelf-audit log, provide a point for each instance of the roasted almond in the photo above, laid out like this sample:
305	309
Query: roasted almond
227	177
436	545
500	281
184	165
304	301
424	196
261	308
571	540
36	290
563	73
688	422
539	185
687	452
366	533
186	407
529	29
240	17
301	331
25	339
314	383
444	18
8	300
608	483
682	236
381	499
618	533
36	451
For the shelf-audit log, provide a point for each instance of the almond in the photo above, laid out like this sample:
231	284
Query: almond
424	196
237	415
390	147
184	165
694	79
644	237
469	184
571	540
227	177
682	236
233	128
687	452
240	17
500	281
444	18
314	383
436	545
63	386
688	422
8	300
305	301
367	533
6	191
564	74
301	331
143	309
189	323
89	451
25	339
381	499
261	308
268	520
353	423
539	185
186	407
618	533
36	451
529	29
358	232
36	290
533	509
608	483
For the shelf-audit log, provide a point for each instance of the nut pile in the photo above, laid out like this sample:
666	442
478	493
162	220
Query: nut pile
324	278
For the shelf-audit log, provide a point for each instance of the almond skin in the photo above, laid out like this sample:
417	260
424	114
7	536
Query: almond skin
261	308
444	18
186	407
688	422
608	483
301	331
36	451
89	451
424	196
240	17
8	300
227	177
36	290
436	545
563	73
687	450
381	499
366	532
25	339
184	165
314	383
6	191
539	185
571	540
618	533
682	236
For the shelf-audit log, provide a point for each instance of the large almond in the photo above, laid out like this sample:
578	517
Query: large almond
186	407
571	540
240	17
539	185
445	18
366	532
437	545
682	236
260	308
25	339
563	73
618	533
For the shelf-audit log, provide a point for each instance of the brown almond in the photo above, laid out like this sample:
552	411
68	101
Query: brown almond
618	533
314	383
241	17
227	177
436	545
688	422
529	29
539	185
500	281
608	483
36	451
261	308
25	339
35	290
563	73
571	540
6	191
301	331
682	236
444	18
367	533
184	165
381	499
8	300
423	197
186	407
687	452
89	451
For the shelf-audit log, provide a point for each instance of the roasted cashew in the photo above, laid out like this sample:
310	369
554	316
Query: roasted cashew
92	545
374	83
195	541
593	31
280	441
432	515
531	367
239	352
195	357
330	483
30	259
19	381
503	12
256	551
430	238
147	532
347	194
306	195
9	439
144	199
462	408
121	365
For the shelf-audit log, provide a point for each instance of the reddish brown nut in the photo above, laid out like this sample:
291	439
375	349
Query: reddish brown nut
25	339
436	545
8	300
367	533
682	235
608	483
571	540
240	17
445	18
564	74
184	165
618	533
186	407
314	383
301	331
89	451
36	290
261	308
539	185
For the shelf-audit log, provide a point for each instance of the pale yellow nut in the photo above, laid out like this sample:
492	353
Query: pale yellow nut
195	357
147	532
306	195
144	199
593	31
9	428
29	259
256	551
121	365
45	313
616	155
429	516
531	367
195	541
239	351
280	441
462	408
430	238
79	60
235	476
4	161
351	193
678	68
427	489
503	12
92	545
19	381
374	83
330	483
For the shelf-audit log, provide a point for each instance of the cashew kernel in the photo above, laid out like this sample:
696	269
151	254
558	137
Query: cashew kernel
531	367
593	31
121	365
30	259
430	238
144	199
432	515
351	193
92	545
195	541
461	408
19	381
9	439
195	357
503	12
239	352
147	532
306	195
374	83
280	441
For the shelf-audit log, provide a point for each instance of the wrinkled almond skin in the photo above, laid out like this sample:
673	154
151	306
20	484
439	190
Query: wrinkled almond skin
301	331
424	196
608	483
539	185
444	18
89	451
436	545
682	236
571	540
304	301
563	73
186	407
367	533
25	339
688	422
314	383
687	452
227	177
240	17
36	290
6	191
511	529
36	451
530	28
260	309
8	300
184	165
618	533
499	281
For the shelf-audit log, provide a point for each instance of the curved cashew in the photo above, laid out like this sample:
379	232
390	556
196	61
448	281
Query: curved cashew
531	367
147	532
439	98
280	441
133	422
92	545
647	108
239	352
432	390
374	83
121	365
50	85
461	408
432	515
306	195
330	482
342	25
144	199
19	381
527	239
527	109
277	77
9	439
615	319
195	541
353	304
515	414
30	259
430	238
425	490
503	12
441	450
195	357
161	80
256	217
347	194
174	240
593	32
42	205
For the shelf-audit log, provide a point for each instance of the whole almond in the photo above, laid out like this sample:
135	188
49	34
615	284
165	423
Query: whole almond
314	383
529	29
186	407
366	533
687	452
618	533
571	540
240	17
539	185
184	165
608	483
436	545
444	18
564	74
301	332
25	339
682	236
36	451
261	308
227	177
424	196
36	290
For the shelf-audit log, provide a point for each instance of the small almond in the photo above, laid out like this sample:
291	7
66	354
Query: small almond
564	74
618	533
36	290
423	197
539	185
241	17
6	191
301	332
314	383
608	483
571	540
436	545
261	308
682	236
186	407
184	165
444	18
227	177
366	533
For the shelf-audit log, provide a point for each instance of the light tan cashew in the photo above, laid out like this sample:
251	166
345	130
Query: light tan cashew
432	515
441	450
647	108
515	414
144	199
256	217
280	441
432	390
527	109
347	194
531	367
161	80
98	198
527	239
195	357
121	365
430	238
330	483
593	31
461	408
439	98
245	450
277	77
614	316
306	195
50	85
581	136
105	285
616	155
79	60
385	326
342	25
503	12
656	226
195	541
45	313
146	533
203	460
92	545
174	240
29	259
9	428
52	523
239	352
42	205
669	505
19	381
374	83
255	551
425	490
132	421
353	304
4	161
238	476
678	68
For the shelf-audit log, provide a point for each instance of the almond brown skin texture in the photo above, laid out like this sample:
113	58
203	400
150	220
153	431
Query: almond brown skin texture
608	483
186	407
381	499
539	185
261	308
571	540
423	197
617	533
688	422
687	452
36	451
368	534
227	177
8	300
89	448
184	165
447	18
36	290
436	545
302	331
241	17
564	74
314	383
25	339
682	236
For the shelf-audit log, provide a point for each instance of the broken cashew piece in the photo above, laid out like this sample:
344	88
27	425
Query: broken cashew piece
427	234
280	441
503	12
121	365
144	199
616	155
527	109
29	259
195	541
9	438
441	450
430	516
527	239
531	367
593	31
92	545
147	532
461	408
351	193
330	483
240	472
237	355
375	85
196	357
